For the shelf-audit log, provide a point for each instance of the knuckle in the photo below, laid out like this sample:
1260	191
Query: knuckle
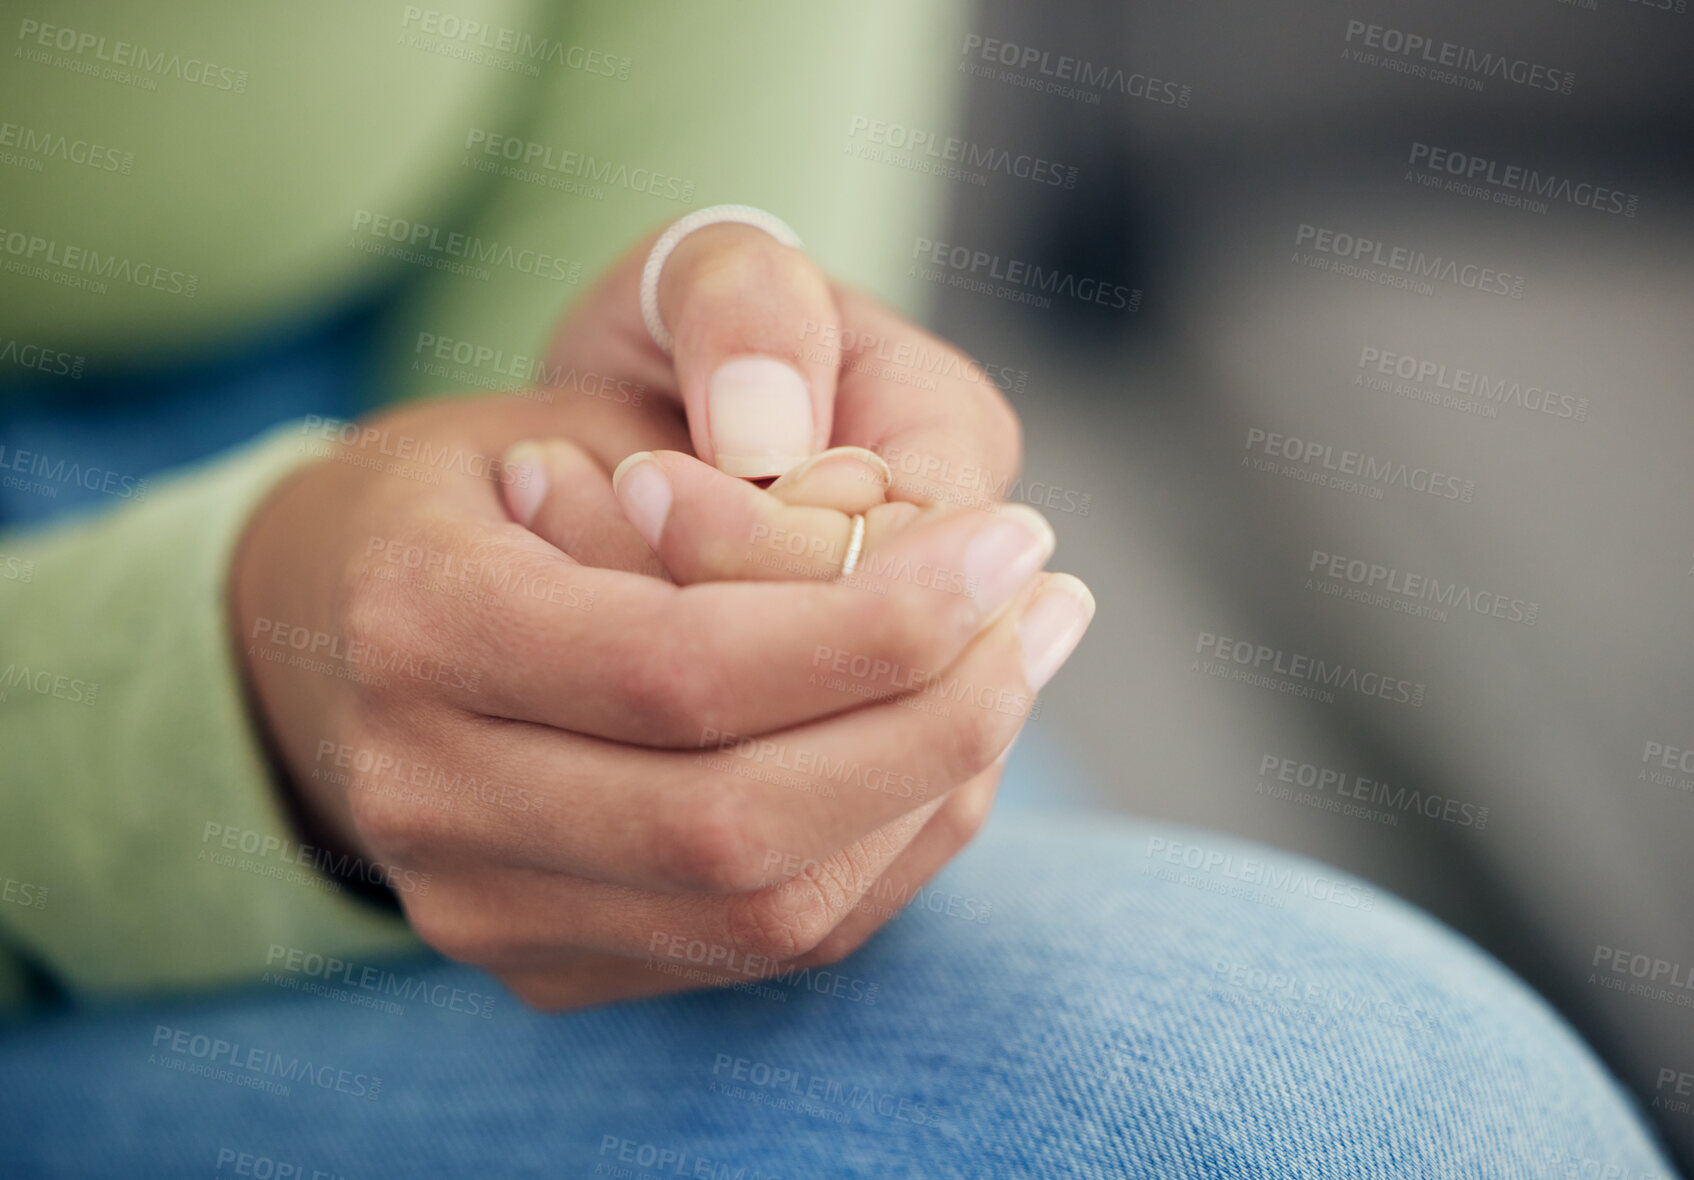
975	737
1004	430
410	832
366	612
533	994
379	609
963	815
841	943
452	933
389	820
708	848
747	262
906	627
786	920
737	263
386	823
670	692
941	617
542	995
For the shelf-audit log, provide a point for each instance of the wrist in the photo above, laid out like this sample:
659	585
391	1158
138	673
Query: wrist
264	601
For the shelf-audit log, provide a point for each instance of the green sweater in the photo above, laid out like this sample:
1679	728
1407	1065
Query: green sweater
171	180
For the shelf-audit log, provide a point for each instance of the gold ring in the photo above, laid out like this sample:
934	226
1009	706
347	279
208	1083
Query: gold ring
855	546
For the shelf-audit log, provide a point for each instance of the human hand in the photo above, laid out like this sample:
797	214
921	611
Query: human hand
623	845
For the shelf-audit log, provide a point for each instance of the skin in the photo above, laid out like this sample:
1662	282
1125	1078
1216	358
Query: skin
600	696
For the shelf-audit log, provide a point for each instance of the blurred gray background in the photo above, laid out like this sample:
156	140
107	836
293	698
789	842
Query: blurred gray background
1580	502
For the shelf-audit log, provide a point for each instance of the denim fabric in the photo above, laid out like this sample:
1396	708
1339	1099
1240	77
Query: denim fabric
1074	996
133	425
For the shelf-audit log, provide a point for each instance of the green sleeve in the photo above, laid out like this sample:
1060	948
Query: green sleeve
130	756
773	107
177	177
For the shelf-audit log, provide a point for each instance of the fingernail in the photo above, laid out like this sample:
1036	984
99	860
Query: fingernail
760	414
528	466
644	492
1051	627
876	468
1005	555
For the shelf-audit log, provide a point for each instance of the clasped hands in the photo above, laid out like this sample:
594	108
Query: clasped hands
612	721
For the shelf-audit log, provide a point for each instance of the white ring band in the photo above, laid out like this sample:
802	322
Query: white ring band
855	545
680	229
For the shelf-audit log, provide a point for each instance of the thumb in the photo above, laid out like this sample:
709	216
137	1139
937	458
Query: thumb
756	332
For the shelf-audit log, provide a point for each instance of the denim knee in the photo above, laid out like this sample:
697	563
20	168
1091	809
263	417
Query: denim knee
1178	1003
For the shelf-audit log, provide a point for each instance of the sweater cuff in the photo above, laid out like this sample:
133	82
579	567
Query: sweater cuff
142	808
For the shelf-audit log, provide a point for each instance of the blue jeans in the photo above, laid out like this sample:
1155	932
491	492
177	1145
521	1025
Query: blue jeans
1074	996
